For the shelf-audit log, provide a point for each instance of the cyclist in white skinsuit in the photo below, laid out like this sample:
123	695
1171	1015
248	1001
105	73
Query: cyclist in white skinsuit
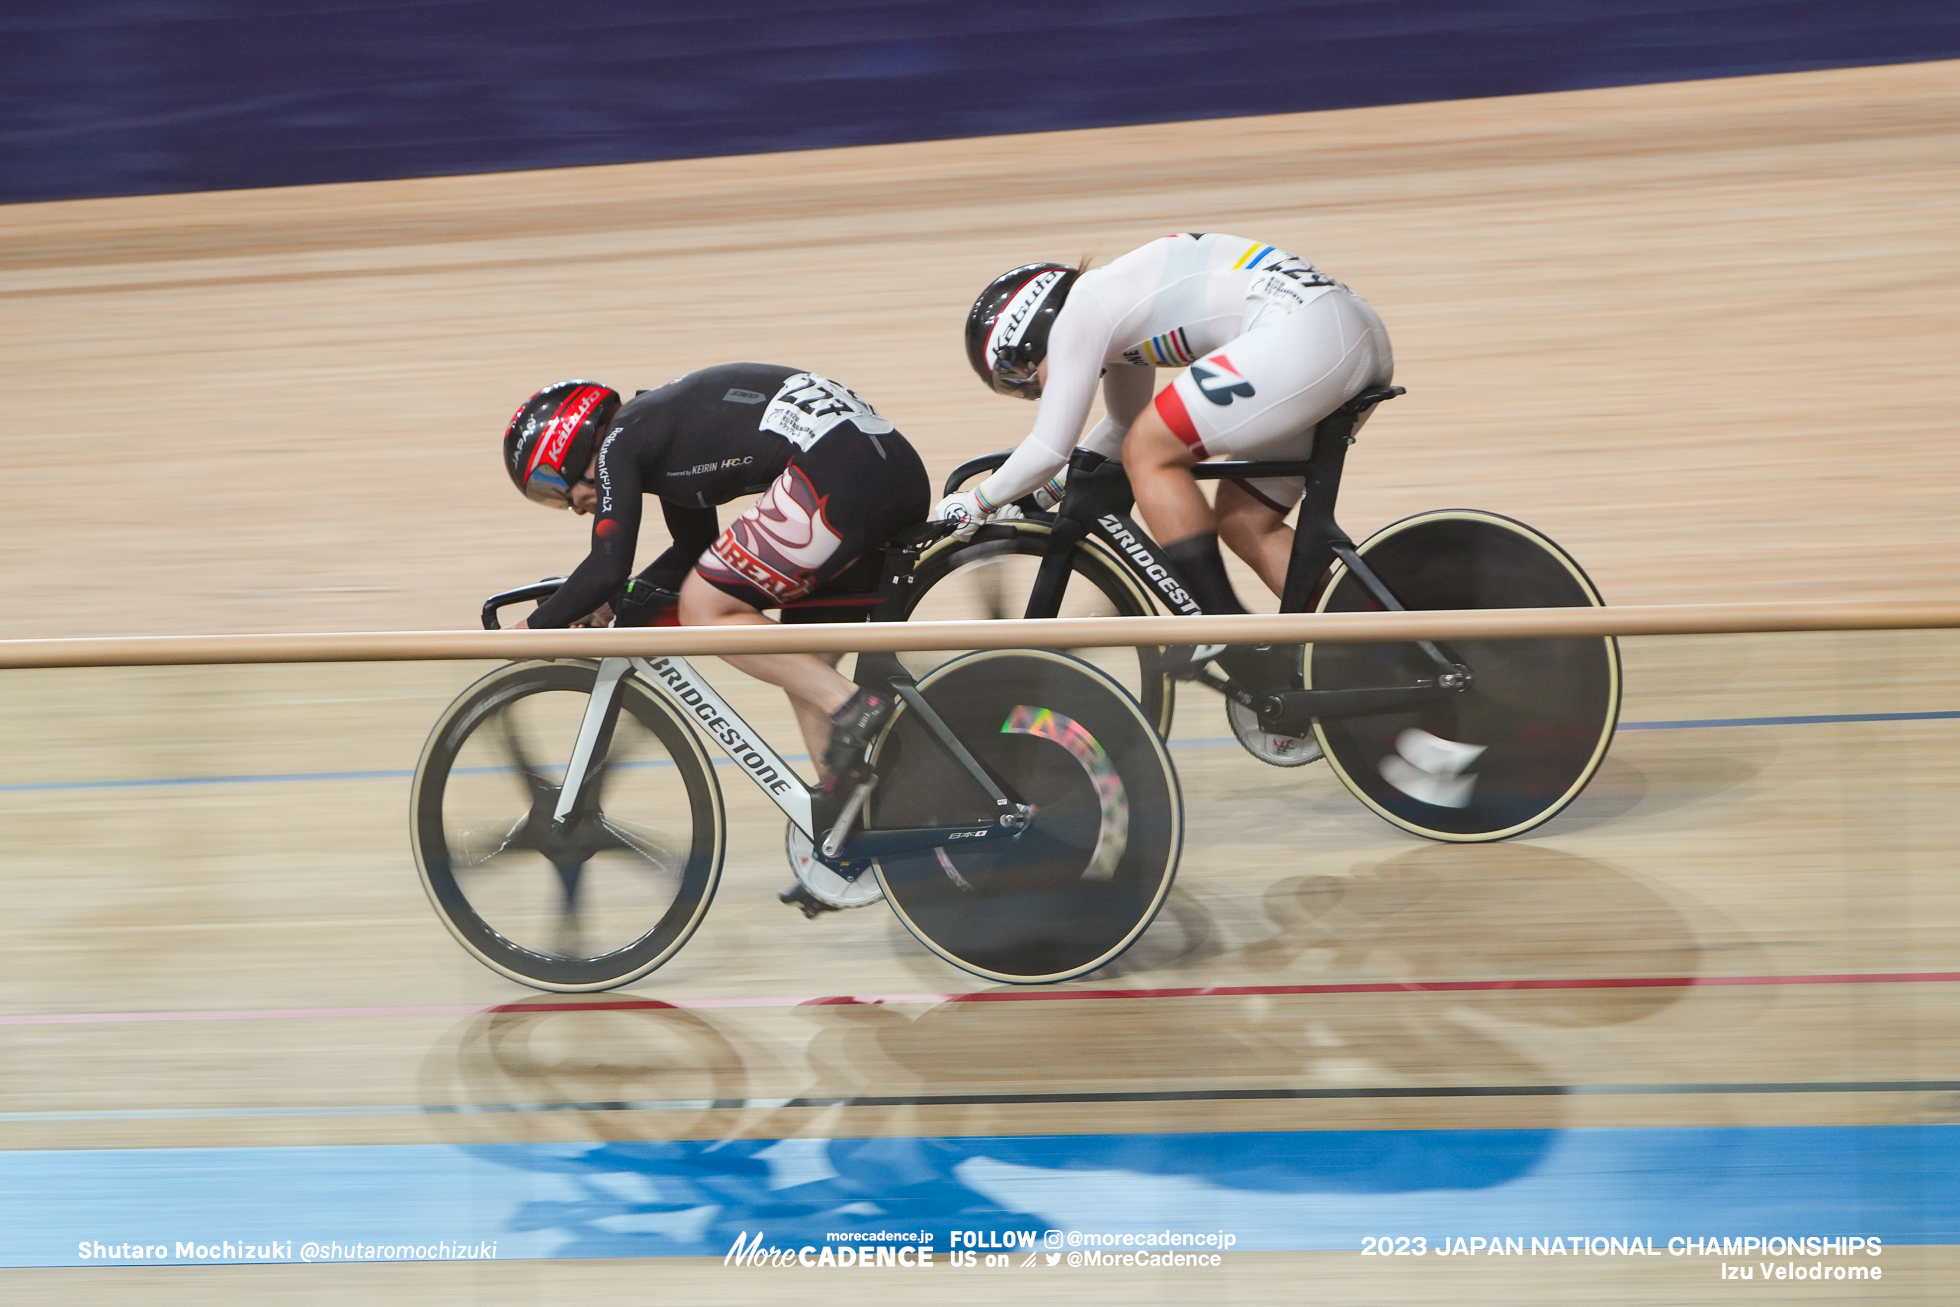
1271	346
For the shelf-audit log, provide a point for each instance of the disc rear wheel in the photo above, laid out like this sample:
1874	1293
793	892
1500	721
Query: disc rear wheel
1515	748
1094	866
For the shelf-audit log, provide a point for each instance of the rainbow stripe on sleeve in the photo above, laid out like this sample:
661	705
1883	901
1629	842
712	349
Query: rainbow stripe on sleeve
1170	350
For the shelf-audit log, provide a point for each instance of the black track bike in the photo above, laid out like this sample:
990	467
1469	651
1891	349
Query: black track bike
1021	814
1467	740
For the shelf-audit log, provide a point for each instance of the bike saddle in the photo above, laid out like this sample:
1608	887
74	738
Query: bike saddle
1370	397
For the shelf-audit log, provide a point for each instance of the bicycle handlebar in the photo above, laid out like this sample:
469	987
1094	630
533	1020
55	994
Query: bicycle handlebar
536	590
971	468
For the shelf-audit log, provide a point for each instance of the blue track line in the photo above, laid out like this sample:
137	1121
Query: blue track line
397	774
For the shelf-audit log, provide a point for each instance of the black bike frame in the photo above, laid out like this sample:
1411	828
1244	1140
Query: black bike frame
1098	499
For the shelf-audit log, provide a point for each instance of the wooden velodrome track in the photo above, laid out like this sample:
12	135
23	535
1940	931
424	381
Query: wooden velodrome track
1703	335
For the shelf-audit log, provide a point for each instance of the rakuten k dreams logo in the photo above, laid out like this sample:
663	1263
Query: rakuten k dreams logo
605	473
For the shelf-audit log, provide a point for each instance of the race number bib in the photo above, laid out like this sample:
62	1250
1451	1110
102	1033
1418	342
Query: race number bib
808	406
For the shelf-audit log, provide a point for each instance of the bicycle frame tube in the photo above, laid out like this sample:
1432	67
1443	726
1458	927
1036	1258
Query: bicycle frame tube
1143	556
1098	500
674	679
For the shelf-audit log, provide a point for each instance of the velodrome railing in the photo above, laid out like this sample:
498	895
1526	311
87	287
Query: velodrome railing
1053	633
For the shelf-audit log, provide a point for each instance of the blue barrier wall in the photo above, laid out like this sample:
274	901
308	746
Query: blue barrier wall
114	97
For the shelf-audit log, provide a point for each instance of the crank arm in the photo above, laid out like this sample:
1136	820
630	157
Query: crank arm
841	829
1212	681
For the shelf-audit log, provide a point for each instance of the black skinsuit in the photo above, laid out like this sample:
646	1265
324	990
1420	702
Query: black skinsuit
839	478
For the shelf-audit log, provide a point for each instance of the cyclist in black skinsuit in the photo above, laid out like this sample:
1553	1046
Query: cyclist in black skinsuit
837	480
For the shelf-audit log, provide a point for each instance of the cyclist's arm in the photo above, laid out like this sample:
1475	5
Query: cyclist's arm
1127	391
615	532
693	530
1076	347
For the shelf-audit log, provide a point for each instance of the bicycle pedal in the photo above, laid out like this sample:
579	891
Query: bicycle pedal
811	906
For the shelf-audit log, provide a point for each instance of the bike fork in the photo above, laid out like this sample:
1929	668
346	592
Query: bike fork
594	734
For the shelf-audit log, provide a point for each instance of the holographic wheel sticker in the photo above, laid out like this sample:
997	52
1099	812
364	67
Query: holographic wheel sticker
952	872
1114	835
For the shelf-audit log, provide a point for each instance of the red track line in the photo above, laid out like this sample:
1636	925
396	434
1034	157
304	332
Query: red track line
988	996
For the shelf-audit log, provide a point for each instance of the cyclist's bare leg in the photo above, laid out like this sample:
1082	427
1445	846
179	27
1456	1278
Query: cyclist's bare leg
1167	494
815	687
1256	532
1160	464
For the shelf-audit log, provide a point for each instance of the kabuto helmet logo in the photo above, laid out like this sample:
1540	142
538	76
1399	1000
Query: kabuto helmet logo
552	436
563	426
1011	327
1007	329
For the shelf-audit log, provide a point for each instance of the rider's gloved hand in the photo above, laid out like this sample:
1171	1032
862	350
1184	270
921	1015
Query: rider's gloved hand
971	510
1049	493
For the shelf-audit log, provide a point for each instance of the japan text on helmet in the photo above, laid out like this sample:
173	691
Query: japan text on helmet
1007	332
552	436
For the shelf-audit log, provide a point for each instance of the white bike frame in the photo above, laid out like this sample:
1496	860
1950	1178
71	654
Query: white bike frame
674	679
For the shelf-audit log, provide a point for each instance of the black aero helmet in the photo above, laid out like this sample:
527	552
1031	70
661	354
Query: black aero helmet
1007	332
551	437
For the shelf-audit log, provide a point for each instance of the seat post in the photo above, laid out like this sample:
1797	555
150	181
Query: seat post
1317	533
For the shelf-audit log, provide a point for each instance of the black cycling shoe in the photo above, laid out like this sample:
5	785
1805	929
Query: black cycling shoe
852	729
